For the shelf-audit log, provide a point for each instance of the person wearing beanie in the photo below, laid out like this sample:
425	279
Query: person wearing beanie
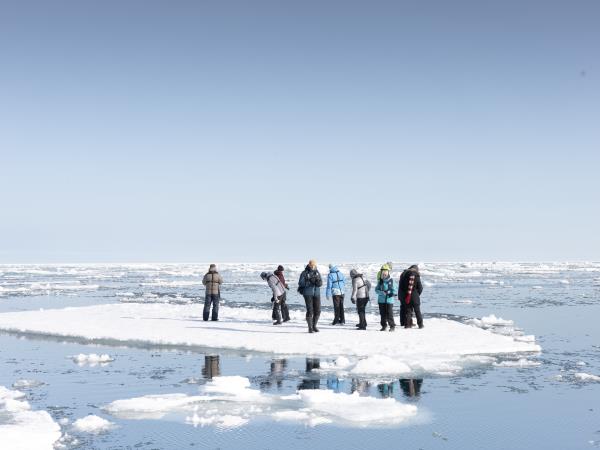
278	294
387	266
212	282
335	288
309	286
285	312
360	296
385	298
410	289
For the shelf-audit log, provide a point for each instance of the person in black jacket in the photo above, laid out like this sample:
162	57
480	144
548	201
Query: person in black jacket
309	286
409	294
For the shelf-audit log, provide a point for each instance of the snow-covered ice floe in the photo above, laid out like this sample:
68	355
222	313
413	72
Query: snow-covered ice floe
587	377
92	424
92	359
442	346
24	429
229	402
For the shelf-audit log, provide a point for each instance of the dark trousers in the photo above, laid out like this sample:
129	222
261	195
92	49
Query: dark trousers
214	299
280	310
402	312
338	309
386	311
361	307
313	309
416	307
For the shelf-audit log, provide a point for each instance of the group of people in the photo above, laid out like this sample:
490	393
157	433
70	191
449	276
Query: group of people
408	291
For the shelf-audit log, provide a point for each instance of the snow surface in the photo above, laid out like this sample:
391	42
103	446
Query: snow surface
23	429
229	402
442	346
92	424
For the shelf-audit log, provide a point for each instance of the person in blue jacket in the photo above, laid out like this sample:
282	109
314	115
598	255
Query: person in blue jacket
386	292
335	288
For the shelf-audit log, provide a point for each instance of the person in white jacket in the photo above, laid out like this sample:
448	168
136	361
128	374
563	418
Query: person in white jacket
278	298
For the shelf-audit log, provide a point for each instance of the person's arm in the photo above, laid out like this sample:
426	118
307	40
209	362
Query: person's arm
354	289
204	280
328	290
273	285
419	285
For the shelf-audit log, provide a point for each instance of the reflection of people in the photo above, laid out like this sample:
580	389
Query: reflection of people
311	381
411	387
360	386
211	367
386	389
276	373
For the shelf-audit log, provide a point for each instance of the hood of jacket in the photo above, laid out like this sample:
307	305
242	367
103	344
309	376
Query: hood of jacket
354	273
333	269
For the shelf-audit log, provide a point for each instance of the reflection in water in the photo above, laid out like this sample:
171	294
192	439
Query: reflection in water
212	367
311	380
411	387
276	374
360	386
386	389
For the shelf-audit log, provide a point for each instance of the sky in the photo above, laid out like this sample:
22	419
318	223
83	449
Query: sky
182	131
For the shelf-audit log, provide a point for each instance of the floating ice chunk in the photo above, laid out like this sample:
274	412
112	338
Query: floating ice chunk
581	363
521	362
564	281
92	424
229	402
491	321
92	359
27	384
587	377
23	429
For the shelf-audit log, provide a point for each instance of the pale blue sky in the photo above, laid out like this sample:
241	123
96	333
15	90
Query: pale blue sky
276	130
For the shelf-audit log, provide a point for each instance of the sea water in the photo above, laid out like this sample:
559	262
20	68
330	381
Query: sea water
550	400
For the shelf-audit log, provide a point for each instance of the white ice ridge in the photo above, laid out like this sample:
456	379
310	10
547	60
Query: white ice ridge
92	359
229	402
92	424
441	343
23	429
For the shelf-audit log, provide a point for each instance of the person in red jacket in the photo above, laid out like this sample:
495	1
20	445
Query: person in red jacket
285	312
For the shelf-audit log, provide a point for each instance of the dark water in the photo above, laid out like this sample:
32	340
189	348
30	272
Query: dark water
545	406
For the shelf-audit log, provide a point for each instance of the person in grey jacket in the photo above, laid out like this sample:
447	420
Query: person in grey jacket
360	296
212	281
309	286
278	290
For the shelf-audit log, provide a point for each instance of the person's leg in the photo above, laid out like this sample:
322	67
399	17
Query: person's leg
206	311
285	312
402	312
362	306
336	310
277	312
317	311
273	316
383	313
408	318
390	316
215	308
342	315
417	308
309	312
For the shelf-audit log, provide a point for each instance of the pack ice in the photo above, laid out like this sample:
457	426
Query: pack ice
442	346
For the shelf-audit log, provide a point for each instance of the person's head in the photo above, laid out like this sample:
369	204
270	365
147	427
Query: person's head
312	264
212	268
385	267
264	275
414	267
280	268
385	273
353	273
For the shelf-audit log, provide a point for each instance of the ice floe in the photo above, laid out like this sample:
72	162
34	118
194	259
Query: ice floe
92	424
443	344
27	384
24	429
230	402
587	377
92	359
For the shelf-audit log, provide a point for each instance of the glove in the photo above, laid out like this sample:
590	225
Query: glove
353	301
